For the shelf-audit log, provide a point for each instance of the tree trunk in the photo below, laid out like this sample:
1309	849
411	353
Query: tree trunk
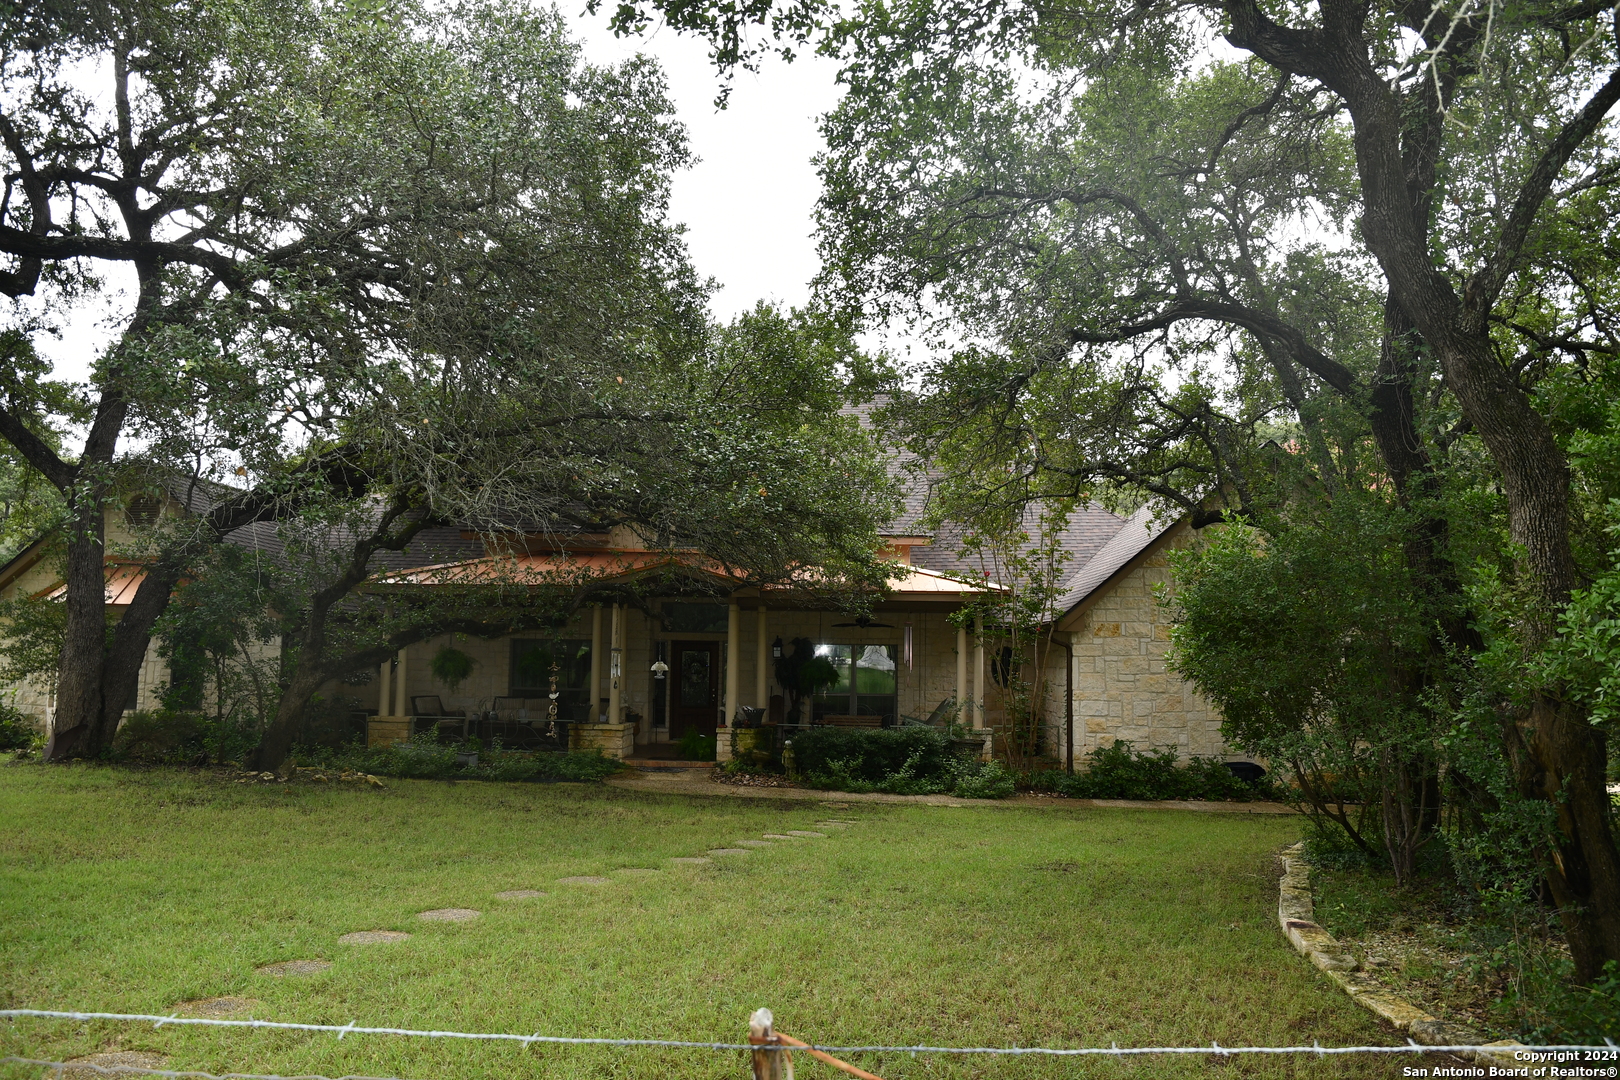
79	726
278	738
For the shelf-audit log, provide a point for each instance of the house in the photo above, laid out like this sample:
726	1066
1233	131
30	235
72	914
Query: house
676	646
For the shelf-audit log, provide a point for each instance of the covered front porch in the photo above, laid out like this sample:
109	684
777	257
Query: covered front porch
643	679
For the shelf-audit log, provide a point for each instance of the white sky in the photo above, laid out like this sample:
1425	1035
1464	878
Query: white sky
747	203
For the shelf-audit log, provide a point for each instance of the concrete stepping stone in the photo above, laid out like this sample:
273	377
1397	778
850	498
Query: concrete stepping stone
752	843
583	879
728	851
776	836
638	871
519	894
294	967
696	860
112	1061
835	824
808	833
373	937
219	1006
448	914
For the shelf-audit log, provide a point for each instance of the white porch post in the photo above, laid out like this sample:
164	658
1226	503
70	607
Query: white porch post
728	708
616	667
594	695
962	706
978	673
401	704
762	682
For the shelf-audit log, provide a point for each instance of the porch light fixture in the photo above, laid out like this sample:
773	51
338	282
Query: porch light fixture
776	648
659	669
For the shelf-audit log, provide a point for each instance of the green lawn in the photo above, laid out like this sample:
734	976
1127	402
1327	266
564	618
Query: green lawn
127	891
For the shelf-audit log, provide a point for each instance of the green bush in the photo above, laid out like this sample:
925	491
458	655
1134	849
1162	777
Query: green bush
696	746
898	761
423	757
17	728
1119	771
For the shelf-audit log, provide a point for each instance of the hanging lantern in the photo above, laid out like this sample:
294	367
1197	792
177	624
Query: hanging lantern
659	669
776	648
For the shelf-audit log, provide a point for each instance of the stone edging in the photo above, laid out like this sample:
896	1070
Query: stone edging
1296	911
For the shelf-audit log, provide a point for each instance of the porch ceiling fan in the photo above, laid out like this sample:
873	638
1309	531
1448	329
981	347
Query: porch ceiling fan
865	623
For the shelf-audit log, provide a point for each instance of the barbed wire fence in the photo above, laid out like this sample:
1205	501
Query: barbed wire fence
764	1041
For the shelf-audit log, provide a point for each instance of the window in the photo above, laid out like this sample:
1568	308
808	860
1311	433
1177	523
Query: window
531	673
867	681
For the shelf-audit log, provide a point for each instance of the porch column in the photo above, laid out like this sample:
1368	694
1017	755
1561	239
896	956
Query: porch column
616	667
733	662
594	695
978	673
383	697
401	703
961	675
762	683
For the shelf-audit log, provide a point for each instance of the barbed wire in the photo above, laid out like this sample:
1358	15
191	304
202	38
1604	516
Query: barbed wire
1112	1050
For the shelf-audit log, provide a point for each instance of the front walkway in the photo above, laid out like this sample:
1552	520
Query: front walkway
693	782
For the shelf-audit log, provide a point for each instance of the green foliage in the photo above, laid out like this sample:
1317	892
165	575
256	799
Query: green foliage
1119	771
899	761
423	757
696	746
179	737
452	667
17	729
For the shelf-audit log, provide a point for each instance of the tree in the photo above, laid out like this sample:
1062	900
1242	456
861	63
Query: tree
738	452
1474	158
310	200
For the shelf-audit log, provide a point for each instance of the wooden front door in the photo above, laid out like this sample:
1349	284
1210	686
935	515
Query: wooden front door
695	672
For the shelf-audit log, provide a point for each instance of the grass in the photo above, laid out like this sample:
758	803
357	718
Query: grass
132	891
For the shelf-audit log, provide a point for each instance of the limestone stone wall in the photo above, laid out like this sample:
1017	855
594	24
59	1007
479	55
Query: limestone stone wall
1121	688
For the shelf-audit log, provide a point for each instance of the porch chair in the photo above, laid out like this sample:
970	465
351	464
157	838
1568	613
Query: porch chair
427	709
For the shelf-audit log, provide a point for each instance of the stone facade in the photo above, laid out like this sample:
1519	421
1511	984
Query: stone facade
1122	689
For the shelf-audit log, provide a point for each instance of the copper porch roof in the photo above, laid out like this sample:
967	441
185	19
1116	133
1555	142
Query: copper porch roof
607	566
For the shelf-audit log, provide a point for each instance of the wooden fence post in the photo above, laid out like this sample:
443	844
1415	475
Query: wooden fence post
768	1064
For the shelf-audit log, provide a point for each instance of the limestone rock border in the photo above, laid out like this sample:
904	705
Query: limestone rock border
1296	912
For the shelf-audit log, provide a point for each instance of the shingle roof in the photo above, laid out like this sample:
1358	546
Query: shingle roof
1139	530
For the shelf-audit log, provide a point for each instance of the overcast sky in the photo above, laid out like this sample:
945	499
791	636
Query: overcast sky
748	202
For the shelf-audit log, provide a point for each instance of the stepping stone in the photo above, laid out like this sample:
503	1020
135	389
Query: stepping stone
448	914
838	805
372	937
835	824
776	836
519	894
294	967
112	1061
583	879
807	832
695	861
728	851
220	1006
638	871
752	843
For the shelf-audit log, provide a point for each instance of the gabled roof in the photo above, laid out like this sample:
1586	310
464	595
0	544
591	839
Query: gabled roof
1135	537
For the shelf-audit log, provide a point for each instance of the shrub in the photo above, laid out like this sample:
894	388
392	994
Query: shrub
423	757
17	729
899	761
1119	771
695	746
158	735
